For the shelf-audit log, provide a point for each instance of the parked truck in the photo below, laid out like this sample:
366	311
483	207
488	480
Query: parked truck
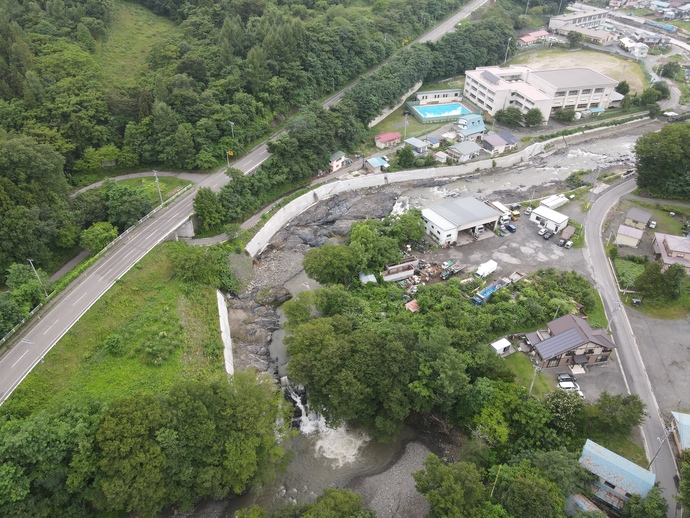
505	211
485	294
452	270
486	269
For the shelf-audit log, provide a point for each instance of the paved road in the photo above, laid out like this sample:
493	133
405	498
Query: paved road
42	334
631	362
434	34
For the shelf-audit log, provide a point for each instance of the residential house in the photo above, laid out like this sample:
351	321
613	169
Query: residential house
501	346
568	341
628	236
638	218
546	217
390	139
464	151
432	142
495	88
531	38
443	221
680	424
618	478
337	161
511	140
494	144
672	250
441	157
375	165
419	147
470	127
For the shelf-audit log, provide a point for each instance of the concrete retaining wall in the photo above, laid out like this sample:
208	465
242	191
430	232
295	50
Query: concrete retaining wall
283	216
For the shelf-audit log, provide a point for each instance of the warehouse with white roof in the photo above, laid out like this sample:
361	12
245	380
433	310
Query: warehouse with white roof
546	217
445	220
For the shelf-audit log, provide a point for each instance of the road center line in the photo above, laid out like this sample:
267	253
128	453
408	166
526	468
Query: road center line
75	302
20	358
51	325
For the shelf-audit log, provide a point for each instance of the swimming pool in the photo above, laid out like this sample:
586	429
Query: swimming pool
439	112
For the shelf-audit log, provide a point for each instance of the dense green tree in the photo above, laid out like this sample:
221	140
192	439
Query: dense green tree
27	291
208	210
662	159
97	236
405	157
683	496
126	205
338	503
651	506
617	413
662	88
559	466
670	69
452	489
534	117
649	96
511	116
623	87
656	284
333	264
564	115
574	39
204	265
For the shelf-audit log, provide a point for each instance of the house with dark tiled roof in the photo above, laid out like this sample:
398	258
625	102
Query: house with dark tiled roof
618	478
568	341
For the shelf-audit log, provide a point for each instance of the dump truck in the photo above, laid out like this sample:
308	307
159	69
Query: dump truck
452	270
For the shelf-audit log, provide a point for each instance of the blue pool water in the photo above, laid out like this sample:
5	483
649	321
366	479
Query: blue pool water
441	110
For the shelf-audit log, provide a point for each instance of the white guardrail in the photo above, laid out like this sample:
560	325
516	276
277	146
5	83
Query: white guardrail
93	259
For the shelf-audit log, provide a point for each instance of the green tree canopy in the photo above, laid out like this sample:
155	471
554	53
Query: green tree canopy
534	117
651	506
623	88
333	264
511	116
662	161
97	236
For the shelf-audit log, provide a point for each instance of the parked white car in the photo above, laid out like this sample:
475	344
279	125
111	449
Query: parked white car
571	386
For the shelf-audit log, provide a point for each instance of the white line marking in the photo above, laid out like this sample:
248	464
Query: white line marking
75	302
20	358
51	325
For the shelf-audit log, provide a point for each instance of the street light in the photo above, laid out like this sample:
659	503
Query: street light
31	262
155	175
232	128
405	130
507	49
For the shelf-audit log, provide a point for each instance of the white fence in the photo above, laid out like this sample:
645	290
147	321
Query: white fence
283	216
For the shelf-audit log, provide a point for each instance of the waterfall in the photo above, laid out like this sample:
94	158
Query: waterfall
340	445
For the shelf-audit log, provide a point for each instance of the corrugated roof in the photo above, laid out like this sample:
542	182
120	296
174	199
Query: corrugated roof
494	140
641	215
625	230
464	211
570	321
377	162
466	148
549	214
387	137
616	470
579	502
574	77
415	142
508	137
683	427
559	344
335	156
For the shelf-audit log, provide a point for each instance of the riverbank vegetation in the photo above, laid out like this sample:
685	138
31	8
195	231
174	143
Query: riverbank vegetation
131	411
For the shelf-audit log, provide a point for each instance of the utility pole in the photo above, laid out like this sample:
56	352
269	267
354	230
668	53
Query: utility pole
31	262
507	49
667	432
232	129
155	175
537	369
619	306
405	130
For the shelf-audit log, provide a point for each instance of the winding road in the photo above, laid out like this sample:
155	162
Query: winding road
34	341
632	366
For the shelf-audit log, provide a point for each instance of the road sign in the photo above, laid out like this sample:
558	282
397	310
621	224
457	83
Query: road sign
230	153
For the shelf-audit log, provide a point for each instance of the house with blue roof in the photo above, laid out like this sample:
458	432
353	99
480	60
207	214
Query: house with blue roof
681	430
375	165
470	127
619	478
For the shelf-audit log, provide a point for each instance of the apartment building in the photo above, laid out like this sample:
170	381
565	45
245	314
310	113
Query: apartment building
495	88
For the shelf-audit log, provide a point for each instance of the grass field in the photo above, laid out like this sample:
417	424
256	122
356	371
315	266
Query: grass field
151	311
624	447
523	369
134	31
169	186
614	67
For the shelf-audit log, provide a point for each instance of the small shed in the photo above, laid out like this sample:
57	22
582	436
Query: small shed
441	157
545	217
568	232
501	346
638	218
375	165
554	201
628	236
366	278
